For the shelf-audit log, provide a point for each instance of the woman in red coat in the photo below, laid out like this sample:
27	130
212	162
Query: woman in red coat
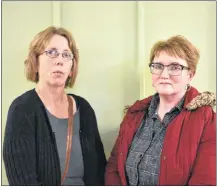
168	138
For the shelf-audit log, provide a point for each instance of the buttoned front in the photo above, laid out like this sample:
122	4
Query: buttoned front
145	151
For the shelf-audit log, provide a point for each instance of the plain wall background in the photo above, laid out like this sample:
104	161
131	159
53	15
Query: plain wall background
114	41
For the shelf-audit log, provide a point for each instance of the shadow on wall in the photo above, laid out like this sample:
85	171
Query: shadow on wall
109	139
130	93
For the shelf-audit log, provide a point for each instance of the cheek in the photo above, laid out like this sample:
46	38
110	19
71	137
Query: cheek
44	67
176	80
155	78
70	69
179	81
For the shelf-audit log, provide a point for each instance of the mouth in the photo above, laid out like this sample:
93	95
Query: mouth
165	83
58	72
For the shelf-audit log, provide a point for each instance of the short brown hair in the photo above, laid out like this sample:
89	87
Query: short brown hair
37	46
177	46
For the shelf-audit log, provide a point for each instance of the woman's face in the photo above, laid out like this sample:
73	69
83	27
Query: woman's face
53	68
170	82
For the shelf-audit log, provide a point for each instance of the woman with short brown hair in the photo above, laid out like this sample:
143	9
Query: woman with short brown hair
51	137
168	138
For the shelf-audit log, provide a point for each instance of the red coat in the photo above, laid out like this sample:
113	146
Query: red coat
189	149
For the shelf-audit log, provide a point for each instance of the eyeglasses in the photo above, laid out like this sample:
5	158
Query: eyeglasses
53	53
173	69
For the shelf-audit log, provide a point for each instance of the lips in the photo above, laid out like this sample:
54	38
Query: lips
165	83
58	72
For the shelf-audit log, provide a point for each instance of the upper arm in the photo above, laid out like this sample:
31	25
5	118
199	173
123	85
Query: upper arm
99	144
19	148
204	168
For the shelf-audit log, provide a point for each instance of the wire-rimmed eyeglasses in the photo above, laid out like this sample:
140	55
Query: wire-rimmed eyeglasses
53	53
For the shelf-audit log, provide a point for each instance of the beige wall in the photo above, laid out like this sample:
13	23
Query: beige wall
114	39
194	20
106	37
20	22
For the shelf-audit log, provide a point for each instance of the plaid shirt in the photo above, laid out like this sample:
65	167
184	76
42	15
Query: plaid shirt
143	160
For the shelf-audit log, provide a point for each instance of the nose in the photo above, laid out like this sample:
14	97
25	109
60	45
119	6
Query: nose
165	73
59	60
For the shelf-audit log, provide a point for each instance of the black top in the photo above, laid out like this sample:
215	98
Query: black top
30	152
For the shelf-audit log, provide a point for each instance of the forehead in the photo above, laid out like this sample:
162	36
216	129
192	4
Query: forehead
166	59
59	42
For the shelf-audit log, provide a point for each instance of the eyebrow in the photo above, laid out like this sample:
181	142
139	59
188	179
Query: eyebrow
54	48
171	63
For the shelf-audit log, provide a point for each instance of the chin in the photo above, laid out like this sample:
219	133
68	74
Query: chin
165	91
57	84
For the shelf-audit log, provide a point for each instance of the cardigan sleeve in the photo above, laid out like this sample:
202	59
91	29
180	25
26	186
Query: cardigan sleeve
204	169
19	148
101	158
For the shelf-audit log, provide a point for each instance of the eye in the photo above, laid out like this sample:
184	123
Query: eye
52	52
174	67
67	55
157	66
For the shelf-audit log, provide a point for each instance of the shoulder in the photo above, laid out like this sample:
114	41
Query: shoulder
139	105
24	103
204	114
203	104
87	114
20	114
201	114
82	102
202	120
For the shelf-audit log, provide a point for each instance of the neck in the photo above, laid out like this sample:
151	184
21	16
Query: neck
50	94
168	102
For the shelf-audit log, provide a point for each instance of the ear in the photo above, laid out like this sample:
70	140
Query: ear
190	75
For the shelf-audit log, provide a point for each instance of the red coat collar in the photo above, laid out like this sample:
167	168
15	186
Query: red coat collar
141	105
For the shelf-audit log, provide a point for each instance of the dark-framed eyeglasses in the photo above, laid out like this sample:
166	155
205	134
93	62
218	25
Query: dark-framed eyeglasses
174	69
53	53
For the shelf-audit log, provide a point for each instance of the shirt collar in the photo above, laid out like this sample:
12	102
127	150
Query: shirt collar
155	102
